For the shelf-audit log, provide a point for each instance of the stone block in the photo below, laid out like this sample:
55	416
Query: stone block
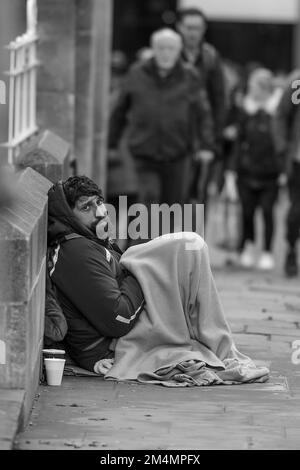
52	54
55	16
48	154
56	75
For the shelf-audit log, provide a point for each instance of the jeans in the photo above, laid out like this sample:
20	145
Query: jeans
252	198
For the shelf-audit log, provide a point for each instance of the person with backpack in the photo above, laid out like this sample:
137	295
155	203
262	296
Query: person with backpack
257	165
156	302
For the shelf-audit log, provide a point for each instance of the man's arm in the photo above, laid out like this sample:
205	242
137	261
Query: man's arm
85	277
204	125
217	94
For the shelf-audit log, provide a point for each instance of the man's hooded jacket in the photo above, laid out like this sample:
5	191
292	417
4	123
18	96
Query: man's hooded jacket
99	298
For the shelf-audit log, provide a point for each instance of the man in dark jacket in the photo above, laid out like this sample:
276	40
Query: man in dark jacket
192	26
168	117
288	142
99	298
102	301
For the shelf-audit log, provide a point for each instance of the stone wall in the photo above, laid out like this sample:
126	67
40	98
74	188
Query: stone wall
23	240
56	75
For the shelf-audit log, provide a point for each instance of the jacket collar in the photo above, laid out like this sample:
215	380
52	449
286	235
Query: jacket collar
151	68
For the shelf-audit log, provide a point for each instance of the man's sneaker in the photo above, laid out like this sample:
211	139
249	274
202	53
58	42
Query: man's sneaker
247	258
266	262
291	265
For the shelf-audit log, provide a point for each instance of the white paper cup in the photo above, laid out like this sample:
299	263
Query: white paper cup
58	353
54	370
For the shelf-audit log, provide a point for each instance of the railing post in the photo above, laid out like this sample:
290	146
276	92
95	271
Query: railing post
22	93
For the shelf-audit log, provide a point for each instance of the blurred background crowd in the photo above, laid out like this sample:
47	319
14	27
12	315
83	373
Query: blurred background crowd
200	110
243	159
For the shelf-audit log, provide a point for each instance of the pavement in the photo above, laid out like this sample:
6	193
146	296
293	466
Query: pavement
11	406
264	313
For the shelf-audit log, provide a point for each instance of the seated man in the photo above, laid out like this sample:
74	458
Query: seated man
152	308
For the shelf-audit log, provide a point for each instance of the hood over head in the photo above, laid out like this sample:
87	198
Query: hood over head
61	219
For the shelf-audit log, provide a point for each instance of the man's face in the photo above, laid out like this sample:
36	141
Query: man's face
192	28
92	213
166	53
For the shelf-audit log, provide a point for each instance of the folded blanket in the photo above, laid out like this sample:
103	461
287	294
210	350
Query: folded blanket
182	337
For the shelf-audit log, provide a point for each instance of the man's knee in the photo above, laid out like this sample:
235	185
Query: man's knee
189	240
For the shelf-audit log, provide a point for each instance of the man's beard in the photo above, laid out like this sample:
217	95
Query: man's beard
103	229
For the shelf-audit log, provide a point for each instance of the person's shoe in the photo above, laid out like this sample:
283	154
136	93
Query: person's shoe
266	262
291	265
247	258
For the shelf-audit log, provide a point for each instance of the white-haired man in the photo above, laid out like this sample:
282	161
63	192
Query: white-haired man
168	117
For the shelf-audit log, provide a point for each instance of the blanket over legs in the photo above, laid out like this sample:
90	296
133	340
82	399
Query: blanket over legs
182	337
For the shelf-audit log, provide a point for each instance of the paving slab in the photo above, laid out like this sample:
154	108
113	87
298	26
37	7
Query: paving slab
11	404
90	413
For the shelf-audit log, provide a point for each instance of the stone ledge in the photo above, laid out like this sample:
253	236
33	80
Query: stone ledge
48	154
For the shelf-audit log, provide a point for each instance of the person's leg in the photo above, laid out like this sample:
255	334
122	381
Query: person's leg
175	176
293	221
249	202
268	199
201	175
149	192
174	183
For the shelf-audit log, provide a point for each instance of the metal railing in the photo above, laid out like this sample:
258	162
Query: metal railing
22	92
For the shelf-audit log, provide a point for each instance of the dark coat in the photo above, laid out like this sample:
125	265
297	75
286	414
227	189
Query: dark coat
165	116
209	65
287	123
99	298
55	322
255	155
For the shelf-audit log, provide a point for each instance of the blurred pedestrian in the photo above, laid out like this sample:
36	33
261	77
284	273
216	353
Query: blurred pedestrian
230	208
288	138
168	117
192	25
121	175
257	165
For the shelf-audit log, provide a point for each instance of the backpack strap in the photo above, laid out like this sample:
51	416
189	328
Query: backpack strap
71	236
52	251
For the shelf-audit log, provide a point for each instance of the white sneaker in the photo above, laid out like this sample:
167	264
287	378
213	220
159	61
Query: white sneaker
247	258
266	261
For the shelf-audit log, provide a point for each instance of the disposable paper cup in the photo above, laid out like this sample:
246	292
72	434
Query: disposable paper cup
56	353
54	370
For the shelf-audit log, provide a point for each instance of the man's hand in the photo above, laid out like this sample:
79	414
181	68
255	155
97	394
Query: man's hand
204	156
